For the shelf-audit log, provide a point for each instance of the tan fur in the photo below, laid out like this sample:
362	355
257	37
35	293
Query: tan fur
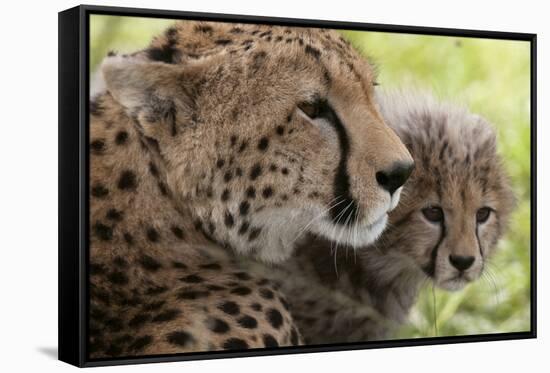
350	296
183	133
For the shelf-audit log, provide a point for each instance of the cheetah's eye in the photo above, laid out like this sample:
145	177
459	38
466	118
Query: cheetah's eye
434	214
482	215
311	109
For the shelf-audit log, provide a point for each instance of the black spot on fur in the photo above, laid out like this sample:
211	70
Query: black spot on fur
248	322
255	171
121	138
214	287
97	269
228	176
114	214
223	42
97	146
285	303
203	28
167	315
230	307
254	233
168	52
118	278
211	266
140	343
233	140
220	163
153	169
179	338
244	207
99	191
236	30
155	290
266	293
217	325
235	344
153	306
228	220
280	130
274	318
120	262
225	195
152	234
269	341
138	320
273	167
284	171
256	306
243	146
103	232
263	144
127	180
241	290
242	276
178	232
192	279
149	264
179	265
267	192
193	294
243	228
128	238
251	192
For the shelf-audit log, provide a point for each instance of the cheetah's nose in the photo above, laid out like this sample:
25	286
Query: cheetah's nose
395	176
461	262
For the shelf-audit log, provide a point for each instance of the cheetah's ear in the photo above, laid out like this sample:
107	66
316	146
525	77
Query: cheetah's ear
152	91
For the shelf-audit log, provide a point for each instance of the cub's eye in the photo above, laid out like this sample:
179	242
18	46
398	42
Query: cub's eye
482	215
433	214
375	83
311	109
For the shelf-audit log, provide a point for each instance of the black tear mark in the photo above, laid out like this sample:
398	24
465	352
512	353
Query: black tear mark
430	268
348	208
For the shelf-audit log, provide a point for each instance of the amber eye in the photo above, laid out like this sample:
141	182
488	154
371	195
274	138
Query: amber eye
482	215
433	214
311	109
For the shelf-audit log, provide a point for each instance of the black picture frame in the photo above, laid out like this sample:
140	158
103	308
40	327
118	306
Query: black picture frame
74	181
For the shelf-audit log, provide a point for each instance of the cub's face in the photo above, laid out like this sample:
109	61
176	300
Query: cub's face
265	133
456	205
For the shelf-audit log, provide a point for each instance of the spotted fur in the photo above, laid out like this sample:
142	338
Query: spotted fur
199	150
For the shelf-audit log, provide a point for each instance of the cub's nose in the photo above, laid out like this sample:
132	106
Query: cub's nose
460	262
395	176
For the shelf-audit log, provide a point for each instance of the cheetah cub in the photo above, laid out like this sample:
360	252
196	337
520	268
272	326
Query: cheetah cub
453	211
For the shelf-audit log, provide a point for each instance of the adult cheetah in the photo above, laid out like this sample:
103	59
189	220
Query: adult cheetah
453	210
221	139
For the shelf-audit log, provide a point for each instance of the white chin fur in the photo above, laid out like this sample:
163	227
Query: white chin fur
356	236
453	284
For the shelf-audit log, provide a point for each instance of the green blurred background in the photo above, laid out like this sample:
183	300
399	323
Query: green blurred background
493	78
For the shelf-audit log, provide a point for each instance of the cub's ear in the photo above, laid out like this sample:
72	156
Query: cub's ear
152	92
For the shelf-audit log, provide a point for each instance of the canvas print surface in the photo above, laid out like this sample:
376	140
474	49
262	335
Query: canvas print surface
261	187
